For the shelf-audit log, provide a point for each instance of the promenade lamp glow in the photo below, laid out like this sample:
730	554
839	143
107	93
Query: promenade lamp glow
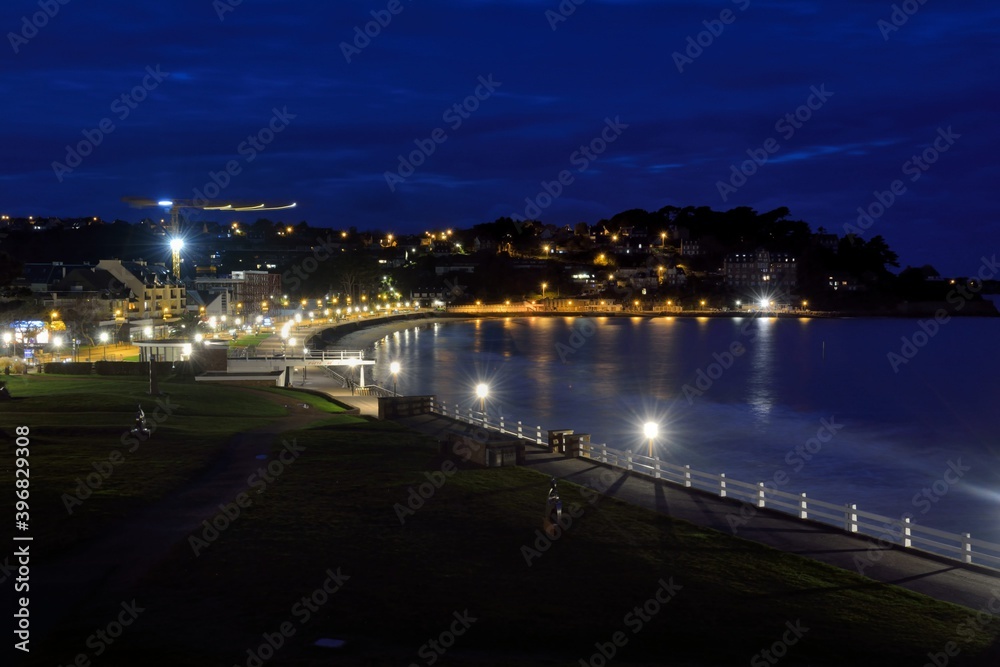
650	430
147	332
7	338
104	341
57	343
544	285
482	391
394	369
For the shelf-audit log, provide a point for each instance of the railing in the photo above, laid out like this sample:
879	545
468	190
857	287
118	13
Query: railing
886	530
312	355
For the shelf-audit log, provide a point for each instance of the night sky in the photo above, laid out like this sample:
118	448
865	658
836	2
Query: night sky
199	77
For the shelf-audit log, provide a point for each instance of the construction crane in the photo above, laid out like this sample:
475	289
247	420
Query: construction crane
175	206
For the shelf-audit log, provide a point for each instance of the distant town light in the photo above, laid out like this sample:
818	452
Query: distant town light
164	202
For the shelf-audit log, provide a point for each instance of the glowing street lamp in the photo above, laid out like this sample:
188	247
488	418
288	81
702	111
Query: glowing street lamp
482	391
650	430
544	285
394	369
104	341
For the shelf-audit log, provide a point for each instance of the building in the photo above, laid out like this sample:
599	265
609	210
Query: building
240	293
761	269
153	292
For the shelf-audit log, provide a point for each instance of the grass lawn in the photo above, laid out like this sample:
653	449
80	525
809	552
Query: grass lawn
79	423
249	340
337	509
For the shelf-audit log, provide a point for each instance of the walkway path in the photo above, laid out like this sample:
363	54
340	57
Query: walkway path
938	578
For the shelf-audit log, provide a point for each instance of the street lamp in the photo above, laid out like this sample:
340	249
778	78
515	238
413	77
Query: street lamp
544	285
305	365
394	369
650	429
57	343
104	341
482	391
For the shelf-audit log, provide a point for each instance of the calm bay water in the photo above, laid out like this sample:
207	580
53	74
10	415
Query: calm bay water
899	432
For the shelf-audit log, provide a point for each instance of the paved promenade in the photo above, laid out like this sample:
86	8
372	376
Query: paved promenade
974	588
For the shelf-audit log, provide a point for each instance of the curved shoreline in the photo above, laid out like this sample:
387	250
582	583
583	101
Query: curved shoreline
364	334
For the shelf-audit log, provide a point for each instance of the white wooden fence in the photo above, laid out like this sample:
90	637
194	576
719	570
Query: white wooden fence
886	530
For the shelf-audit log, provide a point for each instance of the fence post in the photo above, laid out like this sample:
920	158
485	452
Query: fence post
967	547
687	477
628	460
760	494
501	424
803	509
656	468
538	436
520	430
722	485
906	532
471	420
851	519
604	453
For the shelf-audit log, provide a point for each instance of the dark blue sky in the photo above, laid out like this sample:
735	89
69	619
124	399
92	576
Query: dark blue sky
347	122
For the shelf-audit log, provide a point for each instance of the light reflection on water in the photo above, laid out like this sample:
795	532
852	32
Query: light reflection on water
900	429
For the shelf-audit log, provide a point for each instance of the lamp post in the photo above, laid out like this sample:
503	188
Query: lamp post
482	391
305	364
57	343
650	429
104	342
7	338
394	369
